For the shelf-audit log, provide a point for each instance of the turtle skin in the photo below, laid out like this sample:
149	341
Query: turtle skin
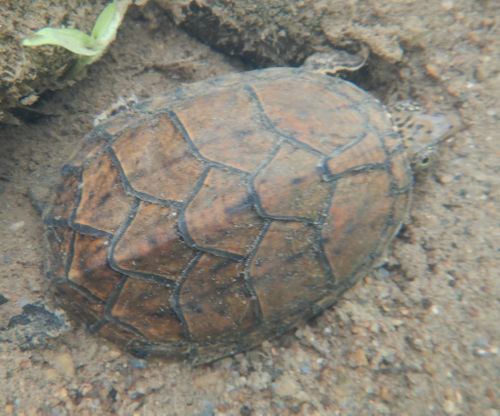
198	224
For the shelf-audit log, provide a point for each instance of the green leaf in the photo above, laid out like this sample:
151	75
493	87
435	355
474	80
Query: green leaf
72	39
107	24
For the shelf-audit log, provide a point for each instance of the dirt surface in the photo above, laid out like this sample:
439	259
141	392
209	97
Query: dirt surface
419	336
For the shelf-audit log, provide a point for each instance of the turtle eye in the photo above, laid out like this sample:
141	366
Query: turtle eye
425	161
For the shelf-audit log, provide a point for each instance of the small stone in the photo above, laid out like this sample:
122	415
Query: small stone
356	329
245	410
473	37
207	379
62	393
432	71
208	409
445	179
138	363
259	380
64	365
9	409
318	364
449	407
487	22
85	389
382	273
114	353
286	386
358	358
447	5
455	87
3	299
435	310
51	374
16	226
385	394
484	70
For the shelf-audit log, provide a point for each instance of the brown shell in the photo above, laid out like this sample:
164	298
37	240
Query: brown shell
201	223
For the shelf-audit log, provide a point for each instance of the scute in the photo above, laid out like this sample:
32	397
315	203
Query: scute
353	233
89	266
302	116
221	216
146	305
226	126
359	155
162	166
287	271
215	300
149	243
209	220
103	207
290	186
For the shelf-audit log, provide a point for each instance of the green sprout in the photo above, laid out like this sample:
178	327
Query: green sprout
91	47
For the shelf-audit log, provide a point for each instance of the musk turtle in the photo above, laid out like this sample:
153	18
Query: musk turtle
201	223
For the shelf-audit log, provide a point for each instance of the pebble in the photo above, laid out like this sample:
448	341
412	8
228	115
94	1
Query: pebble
259	380
484	70
207	379
114	353
358	358
447	5
382	273
385	394
3	299
64	365
286	386
485	352
305	368
16	226
430	368
445	179
436	310
51	374
85	389
433	71
208	409
138	363
62	393
450	408
245	410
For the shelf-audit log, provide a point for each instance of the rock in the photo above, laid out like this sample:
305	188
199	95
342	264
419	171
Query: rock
358	358
286	387
34	327
64	365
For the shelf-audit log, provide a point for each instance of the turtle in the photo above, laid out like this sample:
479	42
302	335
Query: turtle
198	224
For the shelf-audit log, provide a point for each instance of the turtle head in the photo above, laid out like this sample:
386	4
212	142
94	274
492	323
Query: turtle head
422	133
336	61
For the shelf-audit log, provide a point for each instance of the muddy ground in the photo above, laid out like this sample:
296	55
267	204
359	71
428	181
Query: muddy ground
418	337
